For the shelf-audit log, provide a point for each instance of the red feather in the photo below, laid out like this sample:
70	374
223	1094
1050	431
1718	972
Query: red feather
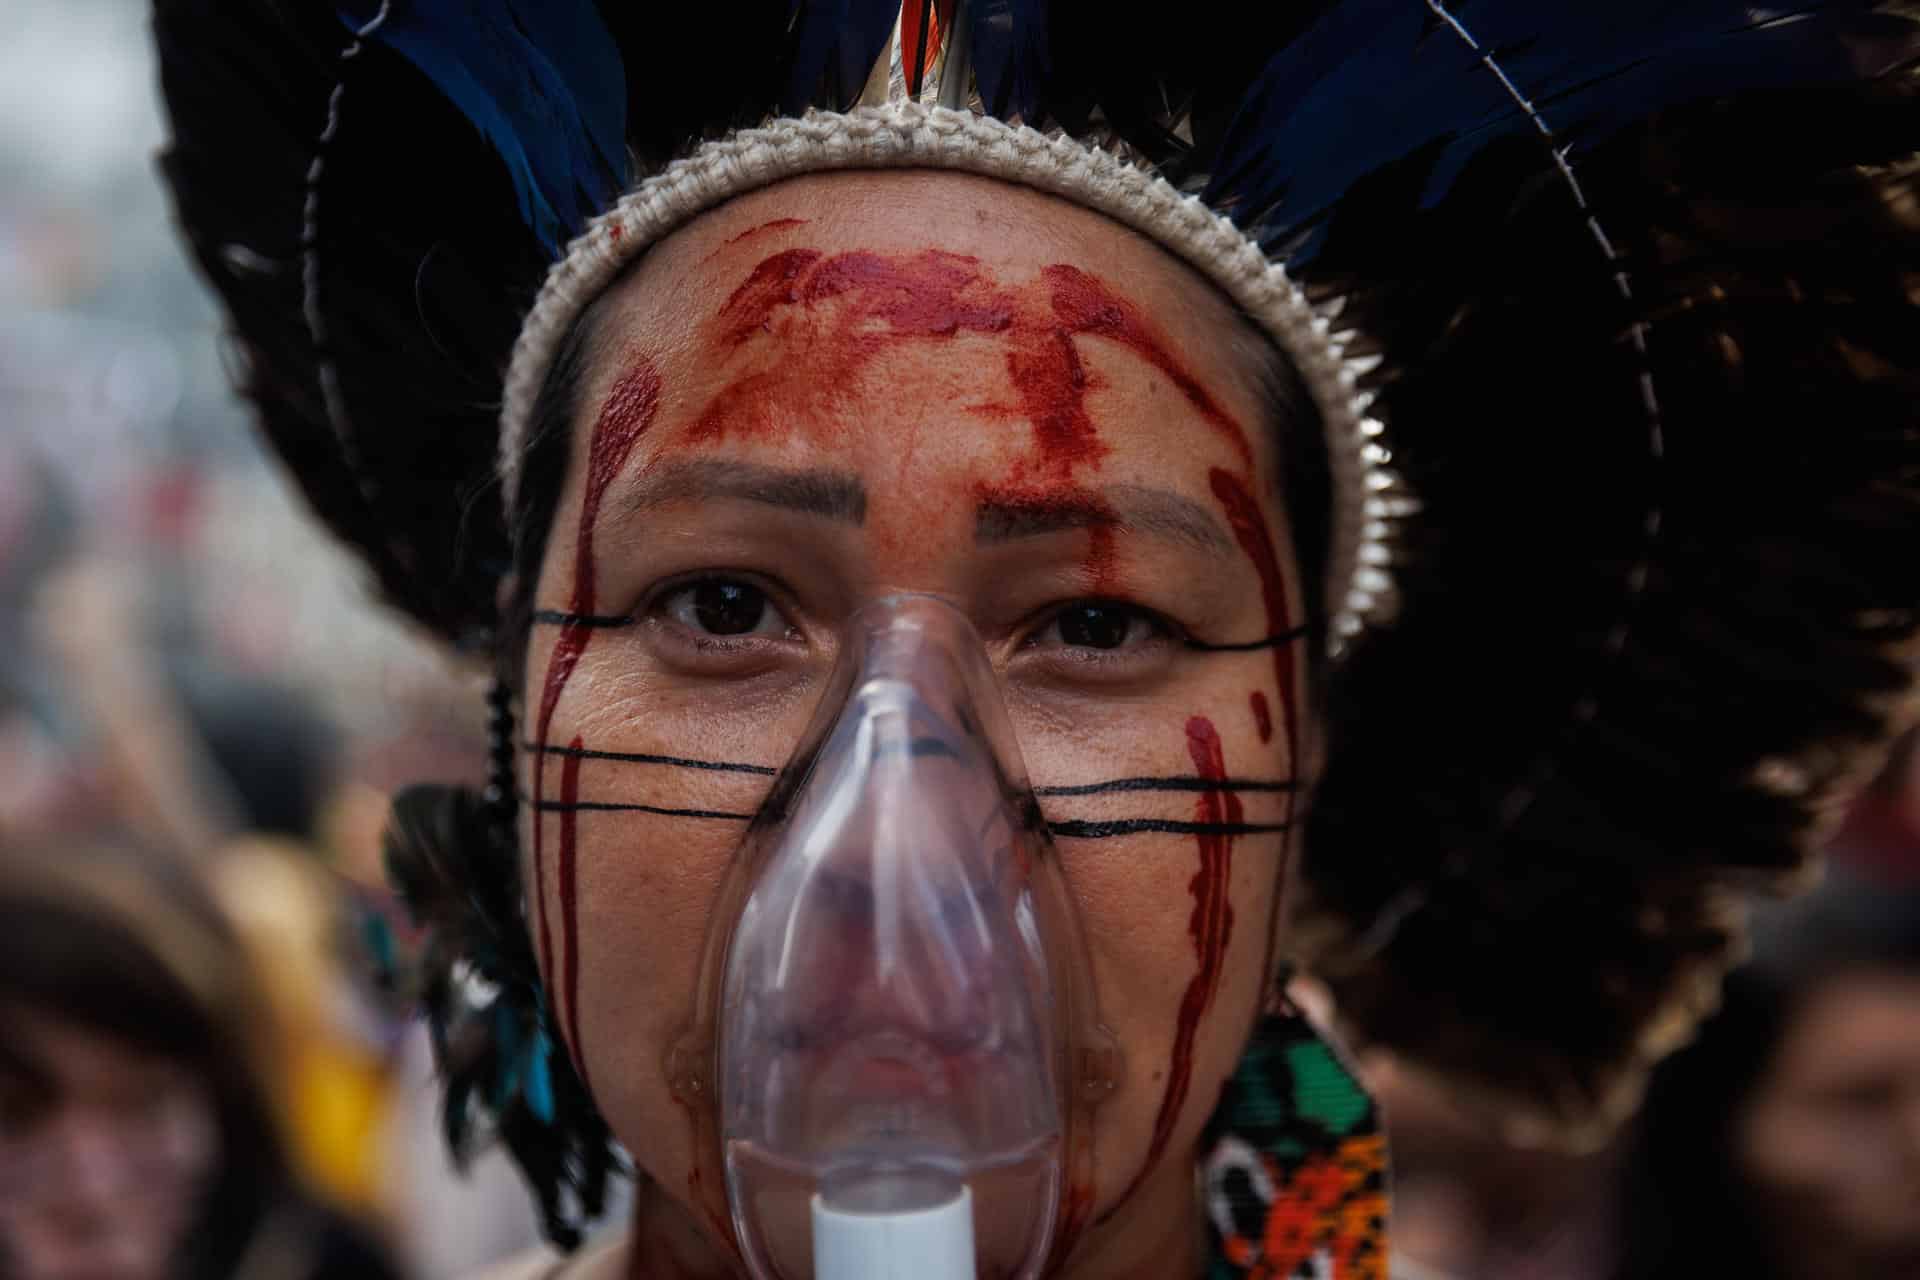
921	22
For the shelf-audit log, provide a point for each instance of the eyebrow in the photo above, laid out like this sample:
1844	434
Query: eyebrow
1127	506
832	495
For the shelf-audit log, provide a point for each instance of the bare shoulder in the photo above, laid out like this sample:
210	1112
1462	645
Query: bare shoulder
598	1261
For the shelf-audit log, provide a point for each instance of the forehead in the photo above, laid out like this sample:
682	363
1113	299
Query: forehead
920	293
1012	229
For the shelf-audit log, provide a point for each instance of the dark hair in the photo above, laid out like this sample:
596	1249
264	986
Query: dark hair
128	944
454	854
1686	1208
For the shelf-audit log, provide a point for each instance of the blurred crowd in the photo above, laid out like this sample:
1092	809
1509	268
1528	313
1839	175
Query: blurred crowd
1782	1143
201	718
204	1048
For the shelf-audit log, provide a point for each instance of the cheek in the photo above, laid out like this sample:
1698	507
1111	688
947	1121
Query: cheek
641	806
645	885
1179	922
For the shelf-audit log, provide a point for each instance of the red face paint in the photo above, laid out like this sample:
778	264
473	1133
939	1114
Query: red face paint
842	311
1083	305
1250	529
770	285
1076	1203
1262	718
1249	525
624	417
932	294
1065	505
1211	926
777	224
569	897
717	1220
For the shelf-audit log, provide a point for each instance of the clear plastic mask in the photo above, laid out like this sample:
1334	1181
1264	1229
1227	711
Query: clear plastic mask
896	1051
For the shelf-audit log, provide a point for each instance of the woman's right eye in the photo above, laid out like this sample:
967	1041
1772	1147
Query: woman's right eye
725	609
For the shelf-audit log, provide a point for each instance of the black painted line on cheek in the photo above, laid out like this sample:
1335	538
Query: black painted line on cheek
1251	646
1194	783
638	757
1077	830
1066	829
1103	787
561	618
608	806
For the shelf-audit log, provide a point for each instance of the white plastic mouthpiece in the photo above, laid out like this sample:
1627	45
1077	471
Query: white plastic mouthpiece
888	1235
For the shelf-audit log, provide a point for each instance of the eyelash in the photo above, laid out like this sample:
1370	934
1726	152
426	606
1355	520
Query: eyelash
698	648
1160	628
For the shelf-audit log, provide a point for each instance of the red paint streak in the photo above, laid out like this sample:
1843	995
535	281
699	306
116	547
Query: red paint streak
777	224
624	418
569	917
840	312
1085	306
767	286
1250	529
1051	384
1211	926
1262	718
1076	1202
717	1220
931	294
1249	525
1066	507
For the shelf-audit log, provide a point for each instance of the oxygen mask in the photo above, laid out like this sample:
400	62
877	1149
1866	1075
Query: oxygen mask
896	1051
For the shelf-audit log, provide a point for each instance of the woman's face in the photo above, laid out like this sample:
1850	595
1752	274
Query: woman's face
103	1162
1830	1140
854	385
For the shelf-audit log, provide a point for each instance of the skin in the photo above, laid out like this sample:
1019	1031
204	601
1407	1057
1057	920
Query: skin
945	421
1830	1140
99	1180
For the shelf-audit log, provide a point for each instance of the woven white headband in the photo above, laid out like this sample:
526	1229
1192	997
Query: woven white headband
906	134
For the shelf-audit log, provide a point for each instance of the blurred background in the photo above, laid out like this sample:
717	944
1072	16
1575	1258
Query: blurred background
199	703
188	668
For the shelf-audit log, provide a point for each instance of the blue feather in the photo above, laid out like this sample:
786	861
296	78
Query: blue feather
538	1089
541	80
1010	59
506	1035
1374	81
848	35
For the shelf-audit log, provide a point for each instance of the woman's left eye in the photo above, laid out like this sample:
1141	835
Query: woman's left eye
1100	626
724	608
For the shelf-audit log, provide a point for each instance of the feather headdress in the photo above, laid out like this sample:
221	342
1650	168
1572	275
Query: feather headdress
1622	293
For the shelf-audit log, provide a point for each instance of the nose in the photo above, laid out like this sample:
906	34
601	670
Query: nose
88	1156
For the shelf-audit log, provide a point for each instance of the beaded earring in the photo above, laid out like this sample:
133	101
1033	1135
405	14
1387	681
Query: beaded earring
502	794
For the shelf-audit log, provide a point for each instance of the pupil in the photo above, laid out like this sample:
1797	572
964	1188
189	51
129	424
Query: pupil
1091	626
728	608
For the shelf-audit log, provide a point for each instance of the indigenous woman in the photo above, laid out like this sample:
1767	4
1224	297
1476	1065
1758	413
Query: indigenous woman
1412	493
